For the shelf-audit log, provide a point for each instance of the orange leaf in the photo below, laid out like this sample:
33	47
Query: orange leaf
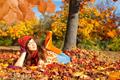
29	15
114	76
23	5
4	8
11	17
42	6
2	2
34	2
112	33
92	1
26	10
50	6
10	7
14	6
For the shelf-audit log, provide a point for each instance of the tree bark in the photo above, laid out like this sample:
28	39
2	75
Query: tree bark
72	25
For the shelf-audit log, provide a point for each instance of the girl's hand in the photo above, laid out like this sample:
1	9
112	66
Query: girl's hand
41	63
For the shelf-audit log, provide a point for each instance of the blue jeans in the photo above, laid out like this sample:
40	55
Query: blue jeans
63	58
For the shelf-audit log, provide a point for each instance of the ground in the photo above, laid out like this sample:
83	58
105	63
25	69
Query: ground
84	65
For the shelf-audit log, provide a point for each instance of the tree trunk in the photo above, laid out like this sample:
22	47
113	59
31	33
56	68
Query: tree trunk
72	25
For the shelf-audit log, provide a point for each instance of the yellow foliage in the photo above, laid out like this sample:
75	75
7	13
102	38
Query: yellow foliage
87	26
19	29
92	23
58	28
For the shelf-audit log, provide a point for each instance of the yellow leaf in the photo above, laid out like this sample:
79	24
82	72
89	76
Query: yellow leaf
78	73
33	67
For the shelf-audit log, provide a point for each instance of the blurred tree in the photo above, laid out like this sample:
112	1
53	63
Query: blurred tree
17	10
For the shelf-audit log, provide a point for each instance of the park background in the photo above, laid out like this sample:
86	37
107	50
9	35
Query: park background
96	55
97	30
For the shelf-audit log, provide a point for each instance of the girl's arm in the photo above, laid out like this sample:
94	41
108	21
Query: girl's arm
21	59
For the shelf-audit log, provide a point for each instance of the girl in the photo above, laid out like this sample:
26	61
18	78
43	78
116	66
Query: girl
30	55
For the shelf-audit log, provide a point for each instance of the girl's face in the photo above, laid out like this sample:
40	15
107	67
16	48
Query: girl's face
32	46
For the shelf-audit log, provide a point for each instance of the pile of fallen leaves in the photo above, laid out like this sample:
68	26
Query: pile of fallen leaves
84	65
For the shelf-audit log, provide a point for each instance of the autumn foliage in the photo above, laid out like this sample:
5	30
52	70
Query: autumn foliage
96	29
17	30
84	65
20	10
46	6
